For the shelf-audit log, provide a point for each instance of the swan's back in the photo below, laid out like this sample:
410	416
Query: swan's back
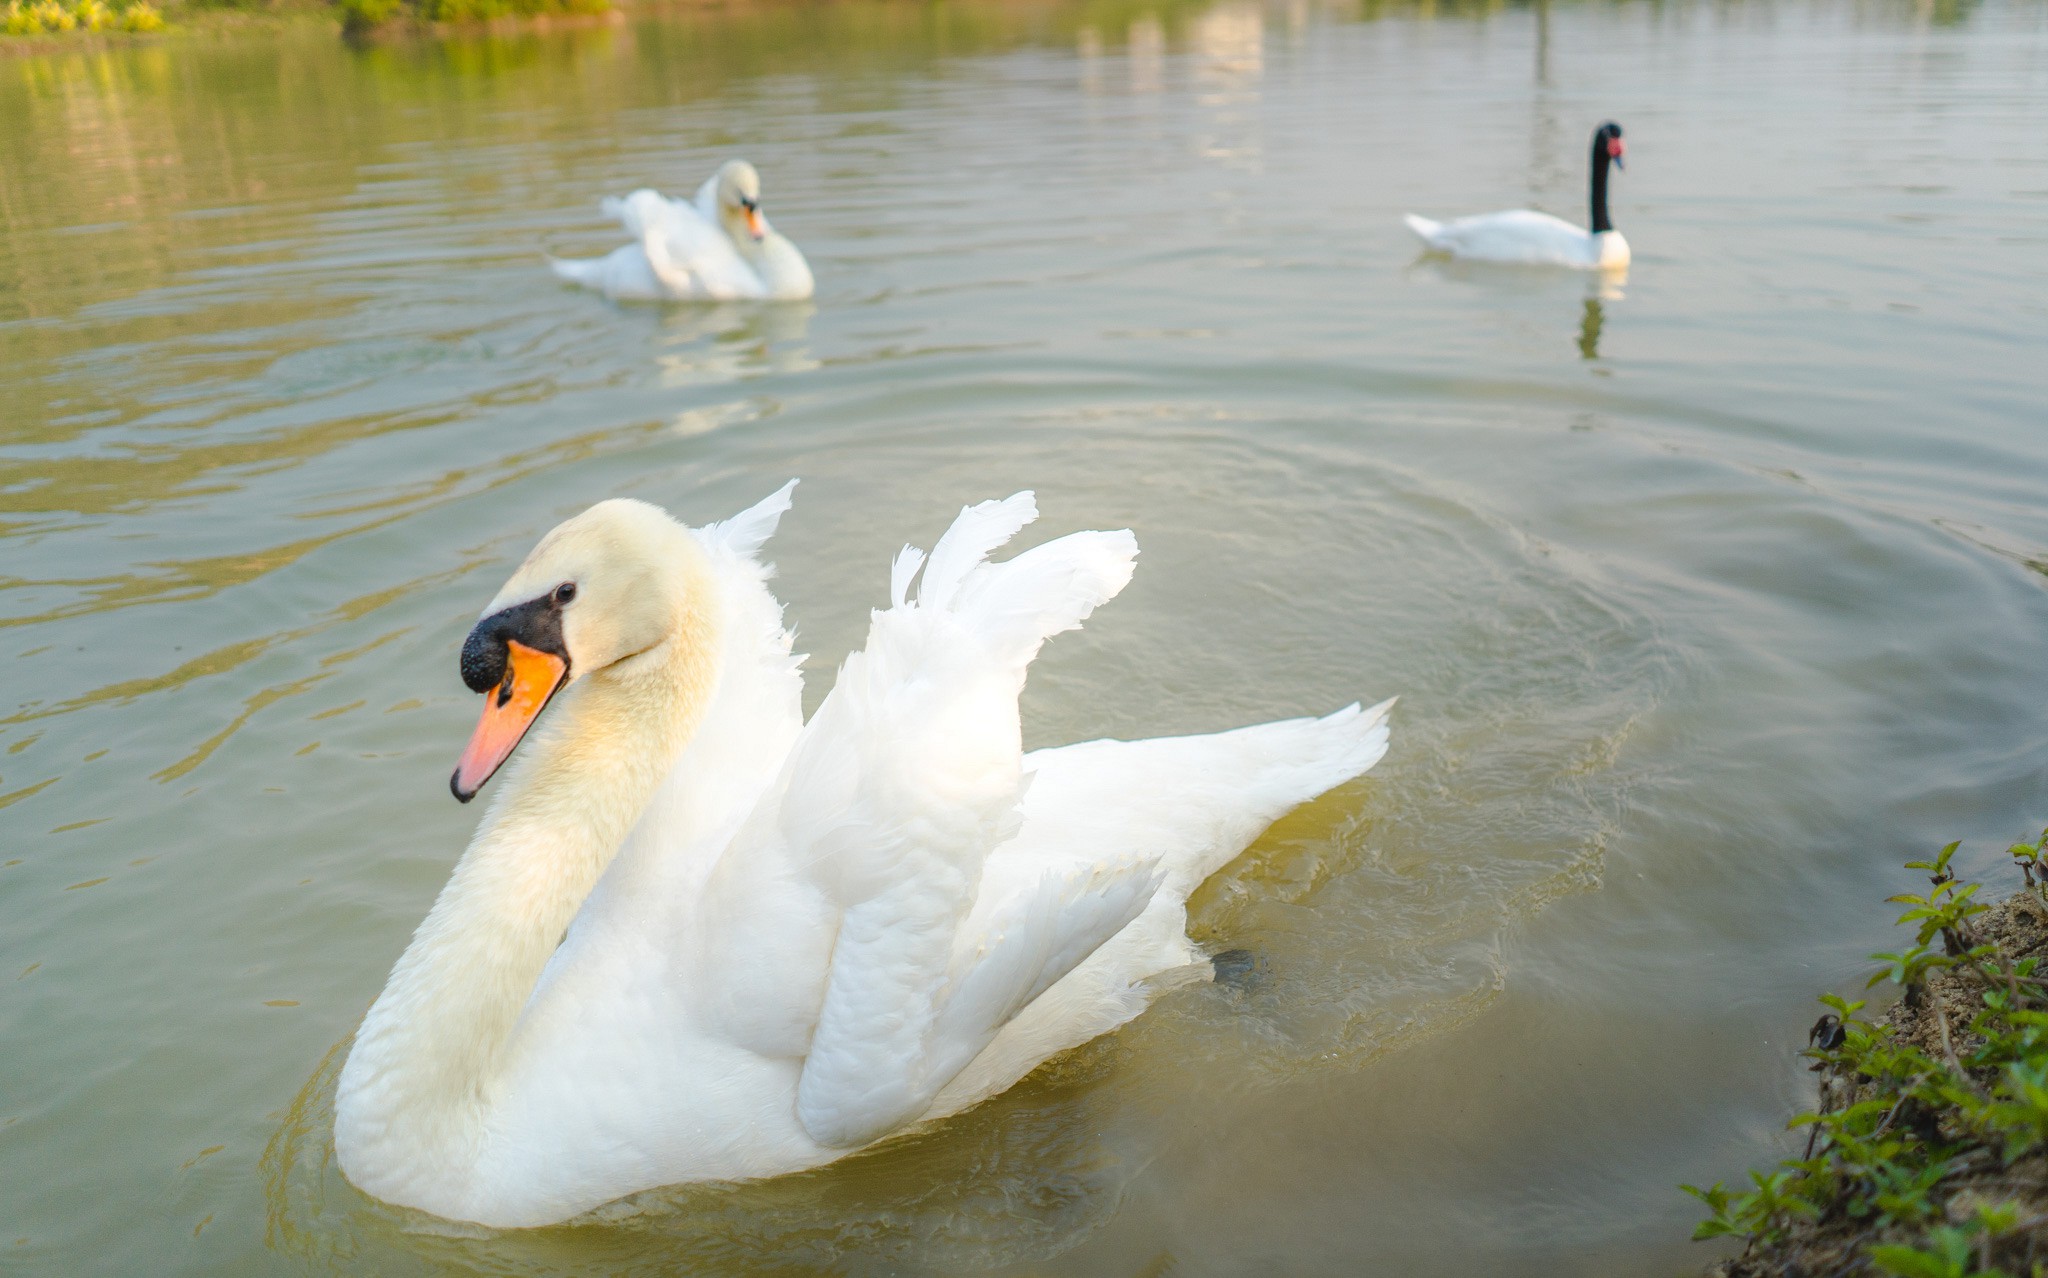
1517	236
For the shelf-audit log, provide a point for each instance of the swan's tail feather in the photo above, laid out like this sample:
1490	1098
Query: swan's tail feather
1329	751
587	271
1268	769
1294	760
1425	228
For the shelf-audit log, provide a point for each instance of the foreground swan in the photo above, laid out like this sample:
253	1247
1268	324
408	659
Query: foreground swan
697	938
718	247
1537	239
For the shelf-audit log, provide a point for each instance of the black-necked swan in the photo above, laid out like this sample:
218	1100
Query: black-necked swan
1538	239
718	247
697	938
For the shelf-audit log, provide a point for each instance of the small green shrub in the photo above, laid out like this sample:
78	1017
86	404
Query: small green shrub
360	16
1907	1119
1949	1257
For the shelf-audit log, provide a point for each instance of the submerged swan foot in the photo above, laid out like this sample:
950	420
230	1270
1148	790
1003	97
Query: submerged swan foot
1238	969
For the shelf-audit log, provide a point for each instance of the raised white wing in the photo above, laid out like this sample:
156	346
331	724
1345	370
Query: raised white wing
677	253
904	781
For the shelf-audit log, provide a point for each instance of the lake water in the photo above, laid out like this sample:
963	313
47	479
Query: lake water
1711	596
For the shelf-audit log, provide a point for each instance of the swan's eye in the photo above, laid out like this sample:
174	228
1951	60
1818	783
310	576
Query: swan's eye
565	593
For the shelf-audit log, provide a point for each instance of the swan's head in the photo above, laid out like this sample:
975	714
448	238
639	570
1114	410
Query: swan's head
599	590
739	200
1607	142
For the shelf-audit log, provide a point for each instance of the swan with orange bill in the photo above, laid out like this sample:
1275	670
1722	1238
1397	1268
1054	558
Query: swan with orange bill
696	937
717	247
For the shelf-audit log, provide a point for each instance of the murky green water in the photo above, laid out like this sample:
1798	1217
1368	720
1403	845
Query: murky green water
1710	602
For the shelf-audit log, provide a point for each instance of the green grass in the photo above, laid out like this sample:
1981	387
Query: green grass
358	17
1927	1156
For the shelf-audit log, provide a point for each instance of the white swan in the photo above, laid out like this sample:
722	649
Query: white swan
695	937
1538	239
718	247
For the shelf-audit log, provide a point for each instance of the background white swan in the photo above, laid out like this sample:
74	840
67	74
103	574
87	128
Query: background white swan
1538	239
717	247
697	938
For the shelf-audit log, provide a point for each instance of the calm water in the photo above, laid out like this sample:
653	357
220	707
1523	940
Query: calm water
1711	597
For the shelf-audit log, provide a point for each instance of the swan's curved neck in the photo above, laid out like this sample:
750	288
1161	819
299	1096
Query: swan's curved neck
1600	220
415	1095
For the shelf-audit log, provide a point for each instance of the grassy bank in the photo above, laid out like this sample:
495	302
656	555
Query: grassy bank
34	22
1927	1153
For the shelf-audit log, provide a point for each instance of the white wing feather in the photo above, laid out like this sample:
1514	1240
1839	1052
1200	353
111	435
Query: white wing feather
907	777
745	533
679	253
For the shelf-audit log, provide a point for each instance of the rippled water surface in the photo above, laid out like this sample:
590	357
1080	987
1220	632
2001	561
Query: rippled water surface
1711	595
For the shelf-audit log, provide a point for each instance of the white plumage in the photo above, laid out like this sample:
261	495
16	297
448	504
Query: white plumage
717	247
1522	237
780	941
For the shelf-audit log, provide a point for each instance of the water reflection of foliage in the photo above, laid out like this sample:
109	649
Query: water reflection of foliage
90	123
1589	330
359	17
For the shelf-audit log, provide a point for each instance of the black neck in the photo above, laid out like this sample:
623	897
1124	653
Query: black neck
1601	160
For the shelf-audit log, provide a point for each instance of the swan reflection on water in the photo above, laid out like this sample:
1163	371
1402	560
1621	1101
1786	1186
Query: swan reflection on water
1599	288
700	343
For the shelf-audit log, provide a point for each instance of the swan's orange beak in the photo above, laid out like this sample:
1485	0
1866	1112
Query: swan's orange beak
531	678
755	227
1616	149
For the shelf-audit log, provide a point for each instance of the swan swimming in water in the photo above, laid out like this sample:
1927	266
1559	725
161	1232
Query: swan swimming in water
698	938
1530	238
718	247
